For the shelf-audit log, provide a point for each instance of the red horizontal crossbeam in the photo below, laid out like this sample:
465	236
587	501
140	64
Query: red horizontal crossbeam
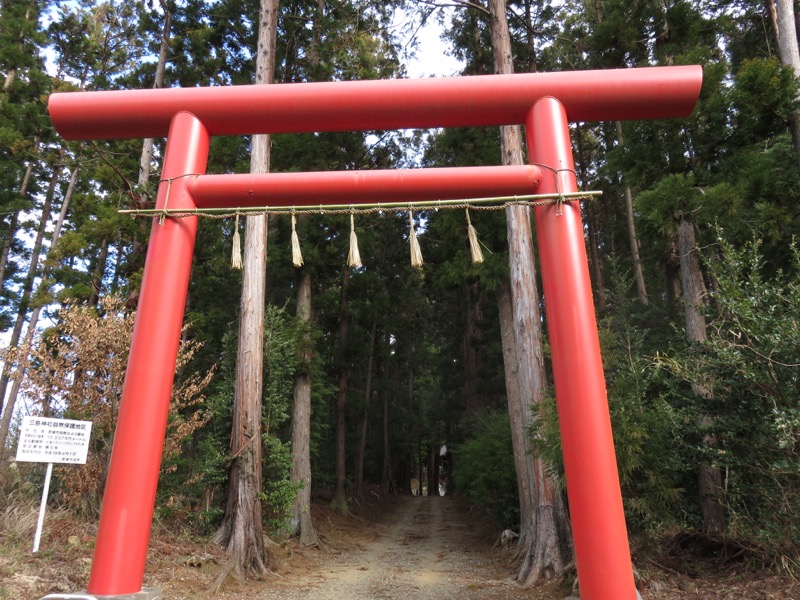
483	100
359	187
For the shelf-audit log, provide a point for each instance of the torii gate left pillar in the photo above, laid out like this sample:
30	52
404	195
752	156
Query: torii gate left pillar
543	102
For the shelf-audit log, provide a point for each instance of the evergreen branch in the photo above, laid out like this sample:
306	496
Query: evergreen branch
102	156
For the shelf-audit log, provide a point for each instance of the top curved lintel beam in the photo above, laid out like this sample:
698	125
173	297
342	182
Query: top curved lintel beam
481	100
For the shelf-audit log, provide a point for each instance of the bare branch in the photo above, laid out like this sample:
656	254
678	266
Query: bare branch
455	4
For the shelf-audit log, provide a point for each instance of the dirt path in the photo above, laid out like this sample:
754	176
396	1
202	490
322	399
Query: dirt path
399	548
425	548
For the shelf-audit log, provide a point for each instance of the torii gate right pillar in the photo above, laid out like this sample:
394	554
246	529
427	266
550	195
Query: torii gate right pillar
602	554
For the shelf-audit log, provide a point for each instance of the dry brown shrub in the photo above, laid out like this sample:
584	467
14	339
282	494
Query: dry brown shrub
77	369
18	519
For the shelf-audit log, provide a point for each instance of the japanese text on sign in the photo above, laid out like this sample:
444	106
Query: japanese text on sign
54	440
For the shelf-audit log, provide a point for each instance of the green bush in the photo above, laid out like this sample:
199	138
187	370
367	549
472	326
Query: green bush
484	471
646	422
749	364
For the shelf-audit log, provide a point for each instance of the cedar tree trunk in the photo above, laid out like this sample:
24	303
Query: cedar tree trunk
241	531
694	300
300	519
545	544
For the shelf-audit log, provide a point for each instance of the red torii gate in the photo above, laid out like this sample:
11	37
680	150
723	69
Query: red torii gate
545	103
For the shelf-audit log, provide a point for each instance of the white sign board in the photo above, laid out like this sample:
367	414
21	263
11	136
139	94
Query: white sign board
54	440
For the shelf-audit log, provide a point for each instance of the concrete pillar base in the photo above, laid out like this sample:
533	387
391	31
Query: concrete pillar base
145	594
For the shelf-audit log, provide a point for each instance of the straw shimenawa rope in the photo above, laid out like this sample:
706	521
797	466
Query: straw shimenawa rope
354	257
477	204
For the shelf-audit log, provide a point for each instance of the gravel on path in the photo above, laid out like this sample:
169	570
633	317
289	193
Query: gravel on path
422	550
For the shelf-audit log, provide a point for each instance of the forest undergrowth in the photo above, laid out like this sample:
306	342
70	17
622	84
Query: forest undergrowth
185	564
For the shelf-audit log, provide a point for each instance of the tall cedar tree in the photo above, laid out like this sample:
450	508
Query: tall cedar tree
545	538
241	531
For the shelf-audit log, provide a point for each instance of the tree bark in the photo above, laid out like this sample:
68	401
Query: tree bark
420	467
339	502
98	273
633	239
692	284
358	468
545	538
11	233
694	299
472	402
592	240
433	463
300	521
362	426
386	471
789	53
514	401
146	158
672	272
241	531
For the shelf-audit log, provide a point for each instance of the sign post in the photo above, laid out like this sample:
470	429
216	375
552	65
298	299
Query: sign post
52	441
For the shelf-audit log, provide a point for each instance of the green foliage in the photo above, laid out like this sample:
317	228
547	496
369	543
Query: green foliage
281	361
484	467
765	96
768	180
651	459
646	426
282	338
209	455
750	363
281	358
96	41
278	493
